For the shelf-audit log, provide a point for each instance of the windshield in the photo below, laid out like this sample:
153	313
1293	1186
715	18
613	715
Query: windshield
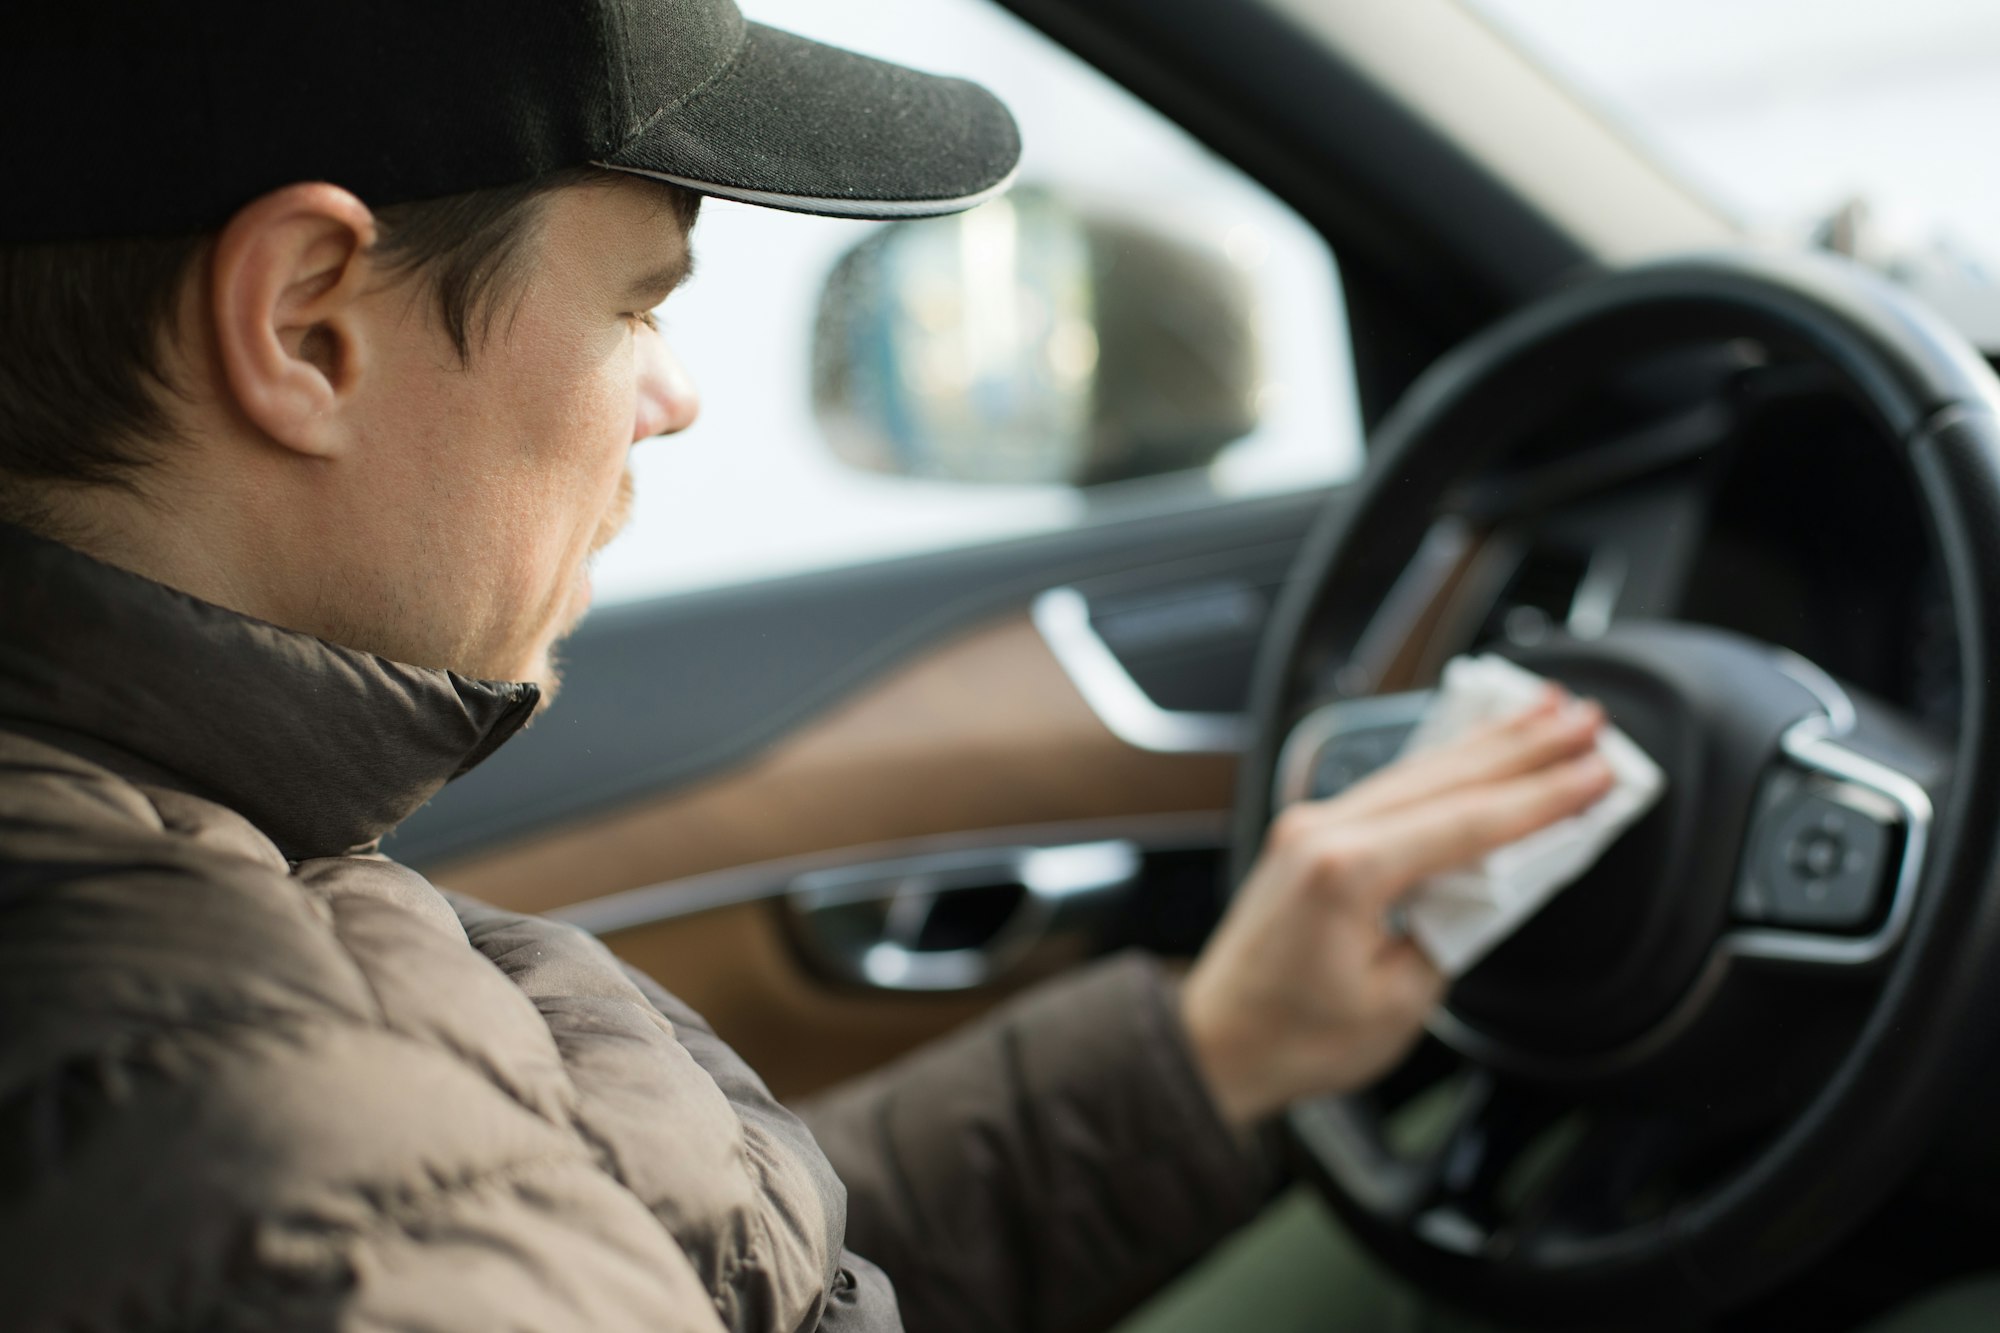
1858	124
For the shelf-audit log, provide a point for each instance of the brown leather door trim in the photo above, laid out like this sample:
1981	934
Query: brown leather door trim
984	732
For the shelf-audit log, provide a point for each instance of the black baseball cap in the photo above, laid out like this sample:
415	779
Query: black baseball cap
160	117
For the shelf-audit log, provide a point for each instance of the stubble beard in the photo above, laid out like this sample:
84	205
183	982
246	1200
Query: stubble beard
549	678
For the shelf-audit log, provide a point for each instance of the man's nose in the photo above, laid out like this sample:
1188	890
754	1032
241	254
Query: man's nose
668	402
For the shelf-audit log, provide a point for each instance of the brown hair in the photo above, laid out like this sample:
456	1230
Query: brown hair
82	324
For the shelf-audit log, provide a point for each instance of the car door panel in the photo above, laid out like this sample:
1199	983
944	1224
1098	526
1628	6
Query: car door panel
662	695
981	731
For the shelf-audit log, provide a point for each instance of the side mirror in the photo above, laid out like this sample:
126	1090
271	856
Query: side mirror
1031	342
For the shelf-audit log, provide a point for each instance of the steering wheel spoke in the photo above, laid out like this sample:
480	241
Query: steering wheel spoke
1463	1207
1608	1171
1526	1170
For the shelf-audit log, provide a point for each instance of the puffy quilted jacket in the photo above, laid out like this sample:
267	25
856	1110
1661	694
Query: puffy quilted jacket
254	1075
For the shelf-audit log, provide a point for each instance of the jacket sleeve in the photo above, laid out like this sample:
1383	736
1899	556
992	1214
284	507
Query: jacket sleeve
1047	1168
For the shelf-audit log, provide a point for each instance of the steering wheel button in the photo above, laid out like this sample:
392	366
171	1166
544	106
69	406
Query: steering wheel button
1348	759
1819	856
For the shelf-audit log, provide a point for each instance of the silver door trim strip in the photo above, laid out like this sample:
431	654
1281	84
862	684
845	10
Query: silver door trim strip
1062	615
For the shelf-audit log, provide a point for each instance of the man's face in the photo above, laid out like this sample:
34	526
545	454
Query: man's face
492	483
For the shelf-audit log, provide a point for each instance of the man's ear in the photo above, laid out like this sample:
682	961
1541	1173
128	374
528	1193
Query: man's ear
285	280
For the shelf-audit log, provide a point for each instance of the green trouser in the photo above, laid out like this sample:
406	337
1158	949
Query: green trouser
1295	1271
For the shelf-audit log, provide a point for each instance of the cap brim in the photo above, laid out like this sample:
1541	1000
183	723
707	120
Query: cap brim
790	123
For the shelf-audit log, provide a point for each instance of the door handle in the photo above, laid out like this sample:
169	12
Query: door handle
954	921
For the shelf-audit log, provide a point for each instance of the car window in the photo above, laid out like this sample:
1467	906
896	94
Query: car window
754	490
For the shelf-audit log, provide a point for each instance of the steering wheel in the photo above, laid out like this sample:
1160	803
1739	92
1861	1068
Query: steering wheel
1715	1055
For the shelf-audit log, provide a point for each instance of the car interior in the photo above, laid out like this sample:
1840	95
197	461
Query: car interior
1741	1076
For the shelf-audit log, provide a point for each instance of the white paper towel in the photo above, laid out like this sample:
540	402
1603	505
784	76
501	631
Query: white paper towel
1457	917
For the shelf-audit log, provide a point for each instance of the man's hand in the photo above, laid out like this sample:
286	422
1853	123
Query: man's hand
1304	990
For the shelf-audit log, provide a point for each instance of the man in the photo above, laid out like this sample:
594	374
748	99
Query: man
324	334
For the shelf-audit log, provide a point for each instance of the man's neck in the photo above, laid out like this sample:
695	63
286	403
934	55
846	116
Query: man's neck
152	525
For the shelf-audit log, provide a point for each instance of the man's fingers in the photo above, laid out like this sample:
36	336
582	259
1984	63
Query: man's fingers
1552	731
1407	973
1424	839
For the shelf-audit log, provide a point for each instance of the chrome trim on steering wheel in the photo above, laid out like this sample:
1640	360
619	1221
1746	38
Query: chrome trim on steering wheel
1841	718
1809	744
1308	739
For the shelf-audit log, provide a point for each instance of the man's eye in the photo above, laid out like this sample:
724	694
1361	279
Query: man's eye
646	318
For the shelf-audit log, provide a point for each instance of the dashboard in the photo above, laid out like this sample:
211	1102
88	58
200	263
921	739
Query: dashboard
1764	503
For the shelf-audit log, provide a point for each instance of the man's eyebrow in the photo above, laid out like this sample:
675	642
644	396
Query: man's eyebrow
657	284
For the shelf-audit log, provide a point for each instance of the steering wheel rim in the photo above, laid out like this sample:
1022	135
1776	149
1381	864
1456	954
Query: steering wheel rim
1858	1134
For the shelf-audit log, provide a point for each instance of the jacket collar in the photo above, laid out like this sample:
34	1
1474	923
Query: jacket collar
324	748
